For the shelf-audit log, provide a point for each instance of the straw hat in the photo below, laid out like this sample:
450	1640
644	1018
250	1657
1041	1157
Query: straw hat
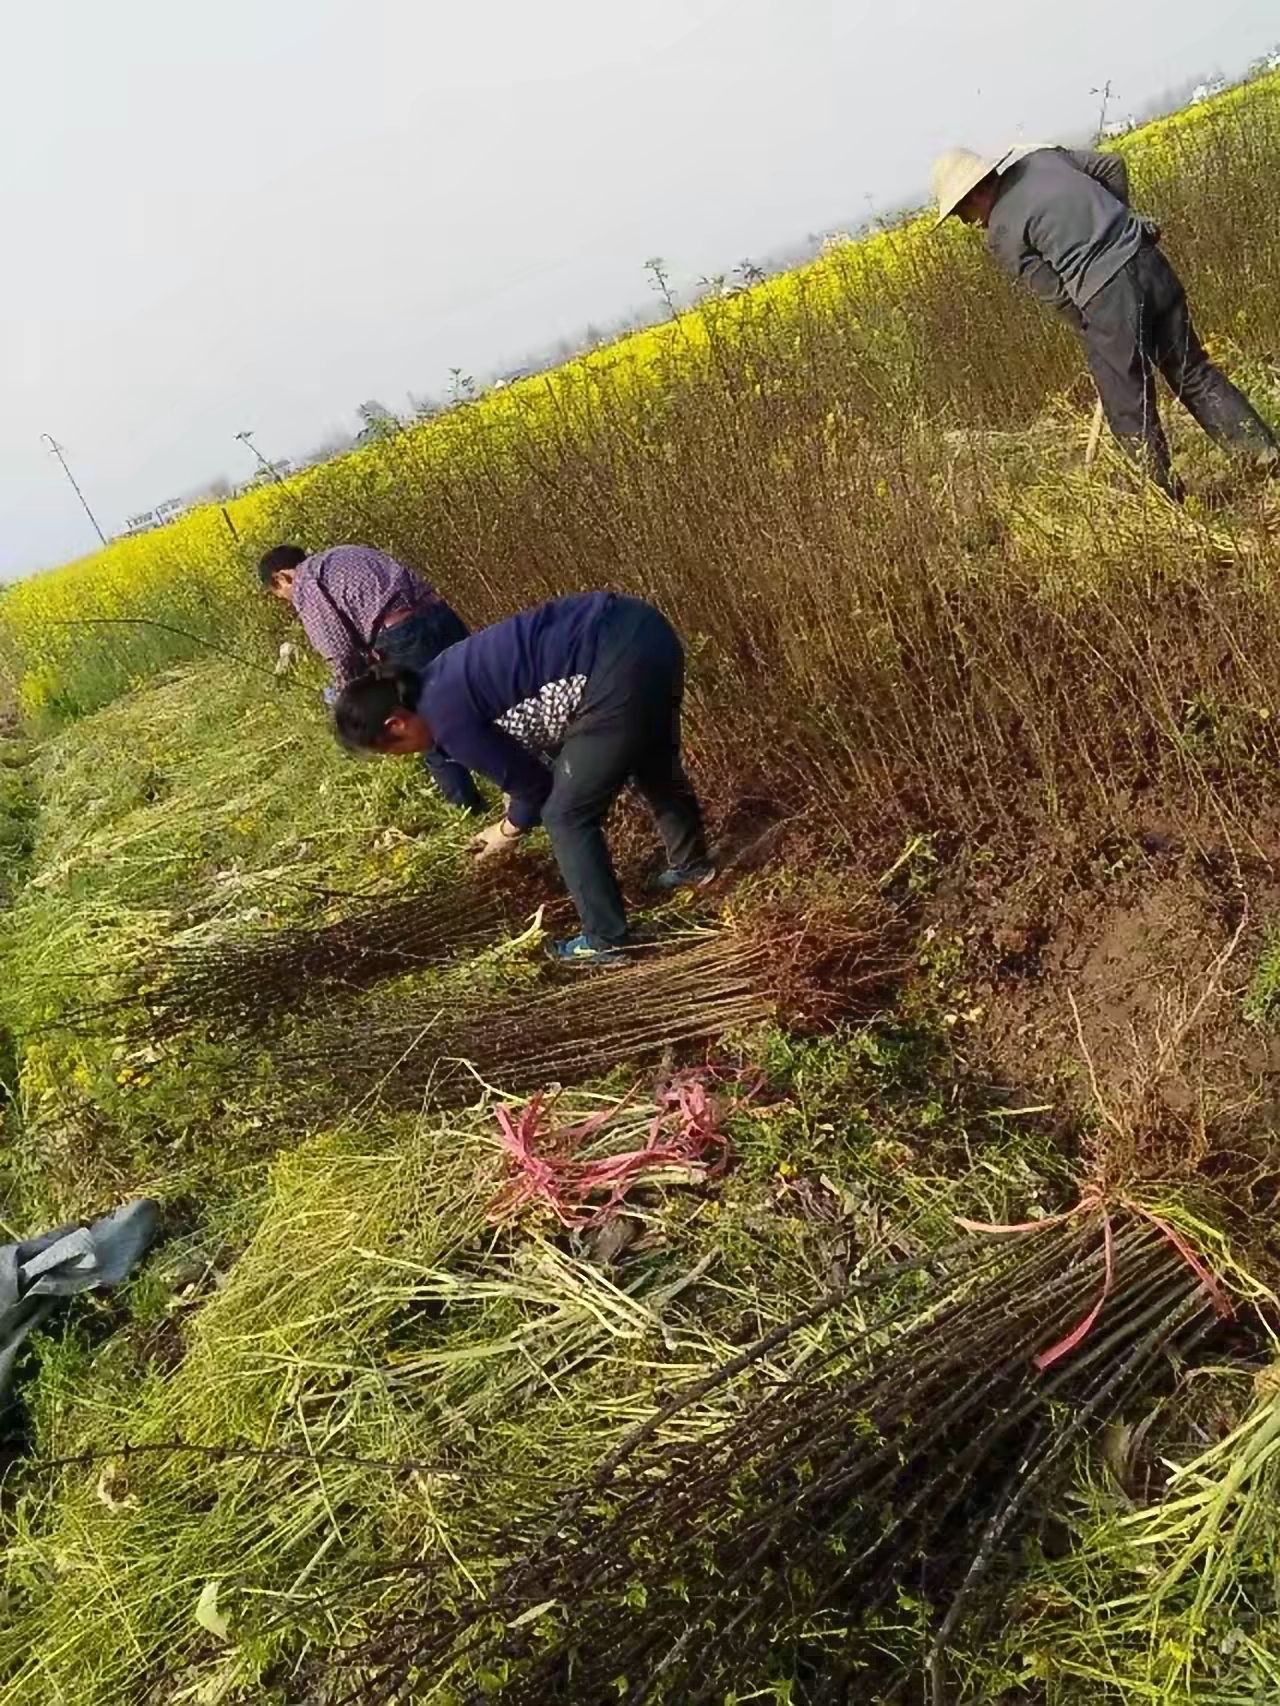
955	174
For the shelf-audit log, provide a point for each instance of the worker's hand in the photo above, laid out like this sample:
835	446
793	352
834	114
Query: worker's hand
498	839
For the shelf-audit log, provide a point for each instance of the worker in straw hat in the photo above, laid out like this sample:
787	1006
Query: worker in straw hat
1059	220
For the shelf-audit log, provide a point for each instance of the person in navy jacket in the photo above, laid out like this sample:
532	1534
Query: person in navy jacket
560	706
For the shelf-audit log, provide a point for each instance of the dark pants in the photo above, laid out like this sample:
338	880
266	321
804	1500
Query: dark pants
1139	323
412	645
627	729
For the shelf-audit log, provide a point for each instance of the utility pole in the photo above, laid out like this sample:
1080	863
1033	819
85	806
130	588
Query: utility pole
1105	91
56	450
246	438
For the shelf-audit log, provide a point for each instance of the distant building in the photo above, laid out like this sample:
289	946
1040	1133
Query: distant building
160	516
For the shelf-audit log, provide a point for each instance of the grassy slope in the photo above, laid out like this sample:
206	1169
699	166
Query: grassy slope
331	1282
348	1295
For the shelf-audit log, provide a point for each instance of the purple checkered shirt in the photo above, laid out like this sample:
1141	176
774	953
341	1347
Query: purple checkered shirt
367	586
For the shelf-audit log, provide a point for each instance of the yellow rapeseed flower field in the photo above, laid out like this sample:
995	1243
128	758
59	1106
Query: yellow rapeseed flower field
71	638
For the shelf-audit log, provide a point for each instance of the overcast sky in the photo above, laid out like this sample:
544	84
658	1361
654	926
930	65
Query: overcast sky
259	213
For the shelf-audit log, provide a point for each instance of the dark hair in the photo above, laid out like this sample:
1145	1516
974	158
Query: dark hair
363	706
278	559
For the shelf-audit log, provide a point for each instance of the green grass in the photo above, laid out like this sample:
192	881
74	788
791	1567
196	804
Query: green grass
336	1291
1263	994
211	804
1172	1600
18	808
372	1311
331	1288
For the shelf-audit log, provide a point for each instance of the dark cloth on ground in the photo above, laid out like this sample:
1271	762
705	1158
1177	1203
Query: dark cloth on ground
38	1273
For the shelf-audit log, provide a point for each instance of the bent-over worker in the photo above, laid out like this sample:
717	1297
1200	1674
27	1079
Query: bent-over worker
358	608
560	706
1059	220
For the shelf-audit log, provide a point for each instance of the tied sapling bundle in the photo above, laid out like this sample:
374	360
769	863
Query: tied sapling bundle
771	1542
671	999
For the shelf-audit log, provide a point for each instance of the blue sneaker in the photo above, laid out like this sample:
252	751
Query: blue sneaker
683	877
578	951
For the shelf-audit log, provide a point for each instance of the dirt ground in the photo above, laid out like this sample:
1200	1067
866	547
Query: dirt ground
1112	979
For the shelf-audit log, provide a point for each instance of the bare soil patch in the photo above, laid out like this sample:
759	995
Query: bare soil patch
1106	965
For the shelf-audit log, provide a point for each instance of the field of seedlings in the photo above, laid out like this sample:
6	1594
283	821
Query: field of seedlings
868	1293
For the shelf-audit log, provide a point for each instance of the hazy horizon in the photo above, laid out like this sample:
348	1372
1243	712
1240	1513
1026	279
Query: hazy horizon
260	218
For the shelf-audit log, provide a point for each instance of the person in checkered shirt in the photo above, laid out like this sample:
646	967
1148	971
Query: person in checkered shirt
360	608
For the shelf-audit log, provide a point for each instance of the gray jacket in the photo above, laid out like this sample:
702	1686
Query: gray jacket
1062	223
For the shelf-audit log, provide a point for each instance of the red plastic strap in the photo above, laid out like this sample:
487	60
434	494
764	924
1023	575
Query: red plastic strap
1088	1203
1221	1302
1064	1347
685	1132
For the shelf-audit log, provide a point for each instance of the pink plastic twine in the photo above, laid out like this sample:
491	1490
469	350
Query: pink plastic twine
684	1133
1092	1202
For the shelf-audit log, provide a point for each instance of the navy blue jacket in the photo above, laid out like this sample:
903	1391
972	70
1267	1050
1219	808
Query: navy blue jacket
499	701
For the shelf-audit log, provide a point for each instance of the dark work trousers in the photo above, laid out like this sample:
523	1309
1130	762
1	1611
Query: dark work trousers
1138	324
627	729
412	645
